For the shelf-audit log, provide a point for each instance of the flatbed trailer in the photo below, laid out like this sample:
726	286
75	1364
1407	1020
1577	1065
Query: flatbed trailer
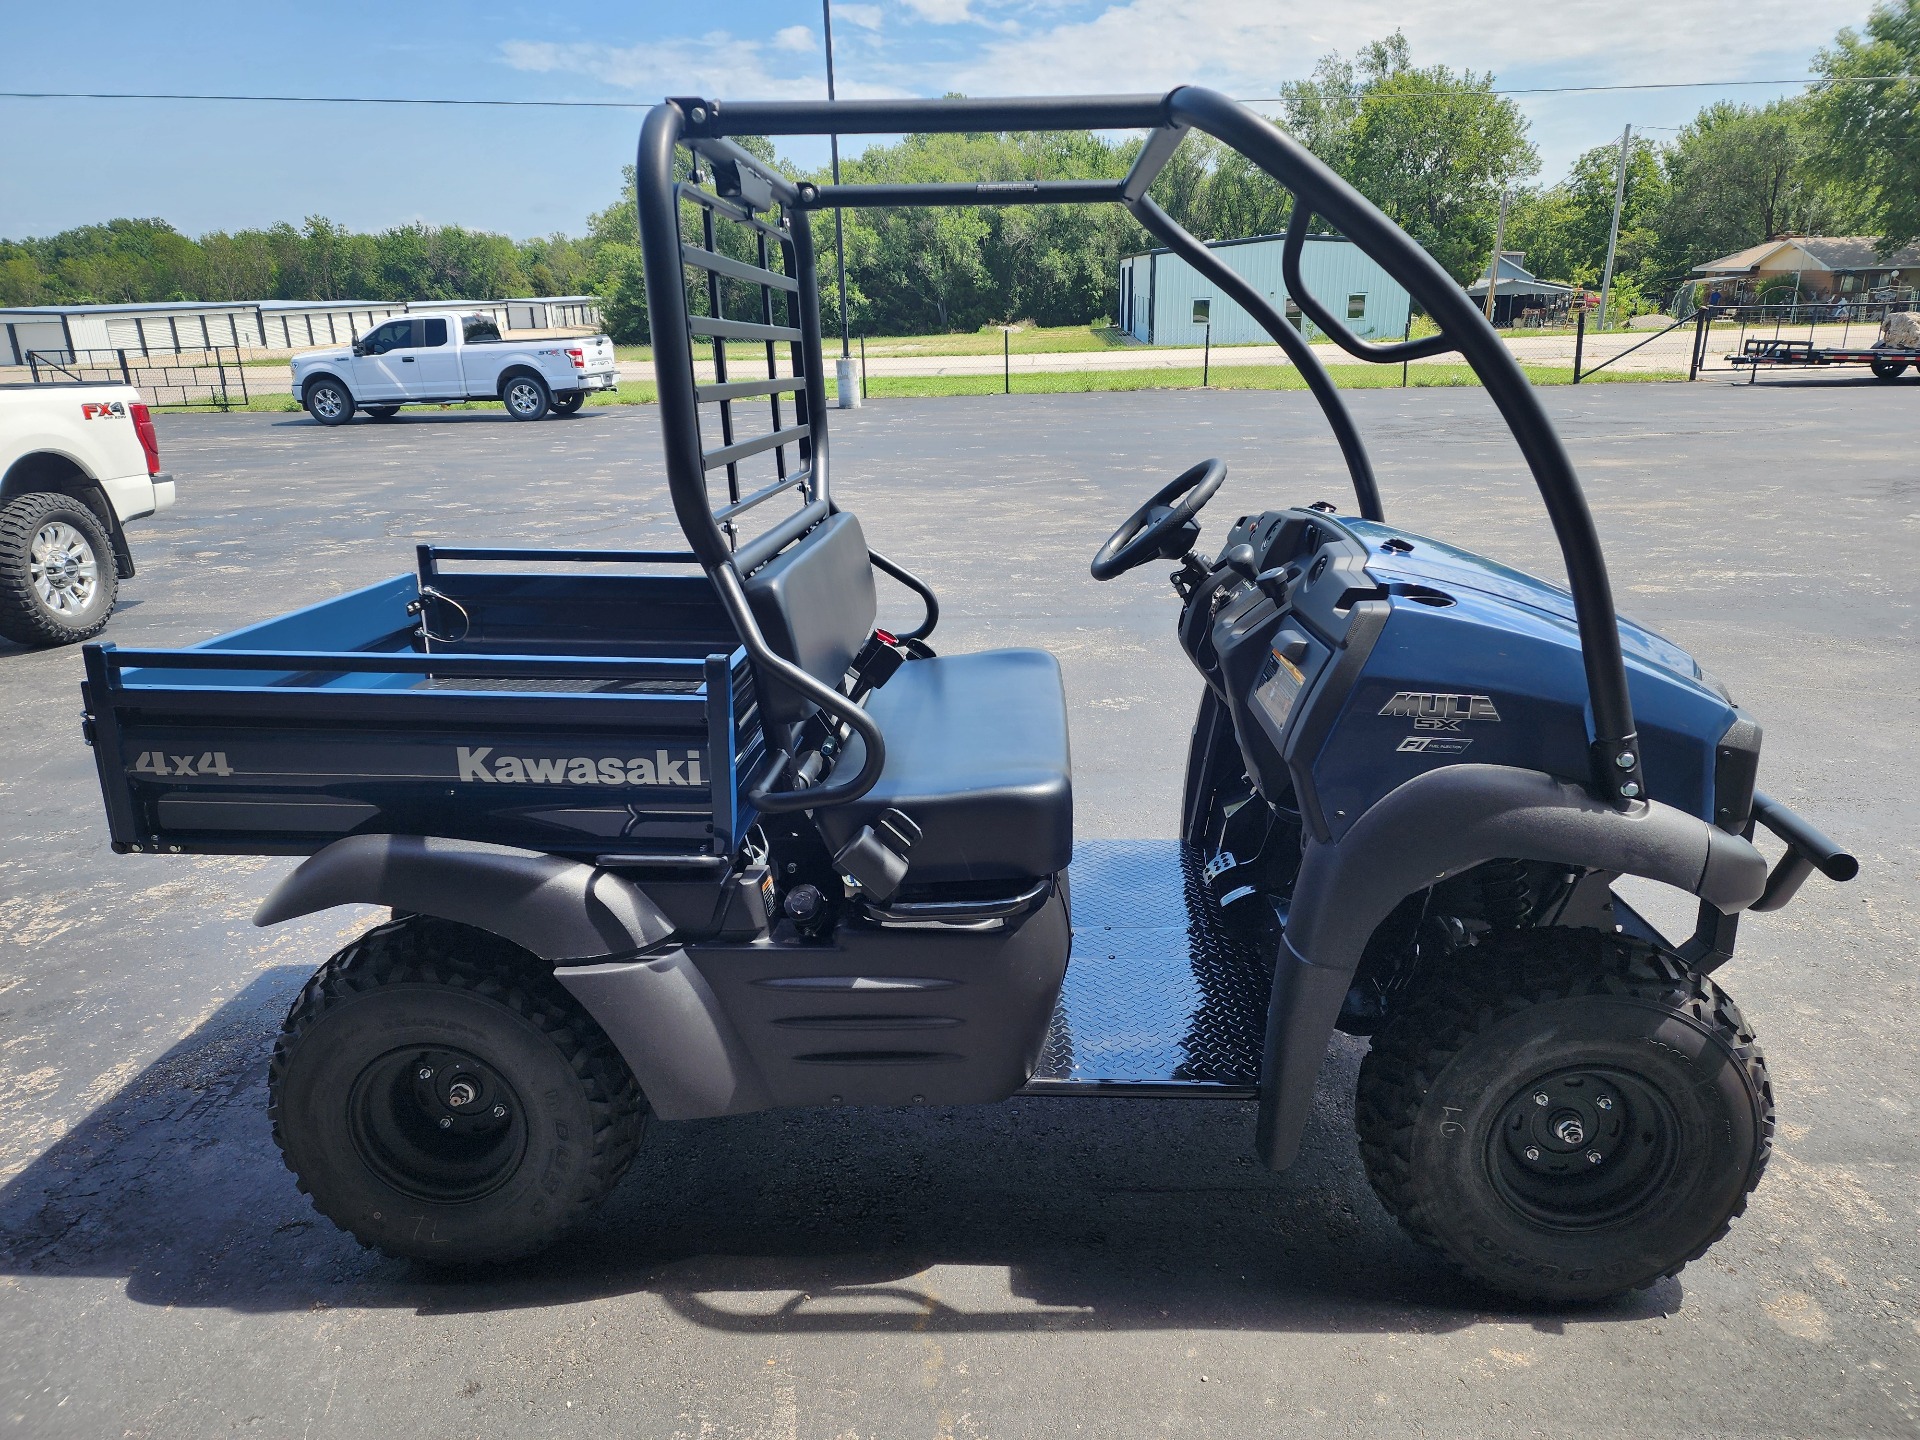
1887	363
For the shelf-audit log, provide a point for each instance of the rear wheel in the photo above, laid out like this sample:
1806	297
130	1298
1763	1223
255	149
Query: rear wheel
526	396
441	1097
569	403
57	577
329	402
1574	1116
1887	369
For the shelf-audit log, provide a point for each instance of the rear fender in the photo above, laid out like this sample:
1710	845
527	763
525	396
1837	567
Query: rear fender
607	941
1434	827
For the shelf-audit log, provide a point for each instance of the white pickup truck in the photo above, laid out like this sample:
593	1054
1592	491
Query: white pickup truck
435	359
77	462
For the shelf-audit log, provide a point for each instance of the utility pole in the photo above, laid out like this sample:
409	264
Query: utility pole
1499	239
843	372
1613	235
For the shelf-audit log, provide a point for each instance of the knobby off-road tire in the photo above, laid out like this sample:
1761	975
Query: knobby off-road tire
328	401
440	1097
1487	1096
526	396
58	583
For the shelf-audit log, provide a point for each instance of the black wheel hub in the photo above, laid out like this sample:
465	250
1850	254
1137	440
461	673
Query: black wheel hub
1583	1147
437	1124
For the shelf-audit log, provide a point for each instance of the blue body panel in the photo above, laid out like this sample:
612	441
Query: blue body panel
1463	626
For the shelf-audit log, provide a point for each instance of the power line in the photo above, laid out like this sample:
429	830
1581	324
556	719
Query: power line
332	99
648	104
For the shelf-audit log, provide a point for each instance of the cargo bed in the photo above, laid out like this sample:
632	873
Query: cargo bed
586	703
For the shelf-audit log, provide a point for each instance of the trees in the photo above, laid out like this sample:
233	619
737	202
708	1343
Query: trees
1865	137
126	261
1563	229
1737	175
1433	148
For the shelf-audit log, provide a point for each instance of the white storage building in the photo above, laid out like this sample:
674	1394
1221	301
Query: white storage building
184	326
1164	301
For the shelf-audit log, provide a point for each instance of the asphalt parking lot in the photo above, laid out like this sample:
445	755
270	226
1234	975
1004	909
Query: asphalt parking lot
1041	1268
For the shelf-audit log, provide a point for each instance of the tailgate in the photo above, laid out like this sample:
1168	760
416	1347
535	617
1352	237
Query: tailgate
597	353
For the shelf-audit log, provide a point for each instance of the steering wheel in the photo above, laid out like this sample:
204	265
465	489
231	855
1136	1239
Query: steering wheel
1163	528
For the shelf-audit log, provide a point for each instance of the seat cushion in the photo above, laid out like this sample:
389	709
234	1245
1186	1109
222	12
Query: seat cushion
977	758
815	604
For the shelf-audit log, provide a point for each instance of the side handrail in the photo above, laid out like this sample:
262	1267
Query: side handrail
1353	449
1807	851
760	793
919	587
1297	227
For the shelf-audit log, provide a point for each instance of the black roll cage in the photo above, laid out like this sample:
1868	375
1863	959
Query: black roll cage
745	186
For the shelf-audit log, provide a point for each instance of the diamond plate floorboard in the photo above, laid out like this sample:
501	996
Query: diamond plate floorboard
1159	993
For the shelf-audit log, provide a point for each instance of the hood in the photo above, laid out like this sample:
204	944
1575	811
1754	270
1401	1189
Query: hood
330	354
1447	567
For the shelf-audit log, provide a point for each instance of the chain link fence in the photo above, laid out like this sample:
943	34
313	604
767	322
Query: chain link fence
1027	363
213	378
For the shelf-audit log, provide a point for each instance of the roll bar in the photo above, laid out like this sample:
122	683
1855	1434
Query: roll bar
705	127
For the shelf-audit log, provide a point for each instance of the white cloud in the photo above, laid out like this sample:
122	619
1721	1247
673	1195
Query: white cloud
717	64
1250	47
797	38
942	12
867	17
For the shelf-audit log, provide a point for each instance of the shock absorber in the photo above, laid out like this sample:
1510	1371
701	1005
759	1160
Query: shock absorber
1506	894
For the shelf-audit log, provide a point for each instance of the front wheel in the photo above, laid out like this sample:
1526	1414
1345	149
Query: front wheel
441	1097
526	397
1887	369
57	577
329	402
1565	1115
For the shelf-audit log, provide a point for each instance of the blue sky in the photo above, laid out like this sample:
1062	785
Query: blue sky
529	172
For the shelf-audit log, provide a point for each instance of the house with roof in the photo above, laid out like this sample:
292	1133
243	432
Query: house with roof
1842	267
1520	297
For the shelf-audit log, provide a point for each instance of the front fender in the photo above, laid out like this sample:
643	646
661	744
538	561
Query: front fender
1434	827
605	939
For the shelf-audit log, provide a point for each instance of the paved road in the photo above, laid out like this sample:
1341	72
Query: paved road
1043	1268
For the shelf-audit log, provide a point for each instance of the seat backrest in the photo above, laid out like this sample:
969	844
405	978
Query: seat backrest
815	604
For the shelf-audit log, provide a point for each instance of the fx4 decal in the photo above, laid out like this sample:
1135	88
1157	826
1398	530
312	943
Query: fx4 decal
102	410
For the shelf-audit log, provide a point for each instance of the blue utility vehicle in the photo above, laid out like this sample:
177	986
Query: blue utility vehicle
688	834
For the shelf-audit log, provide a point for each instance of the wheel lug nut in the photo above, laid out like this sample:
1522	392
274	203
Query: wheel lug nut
446	1122
426	1072
1540	1097
1594	1157
499	1112
1533	1152
1605	1102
